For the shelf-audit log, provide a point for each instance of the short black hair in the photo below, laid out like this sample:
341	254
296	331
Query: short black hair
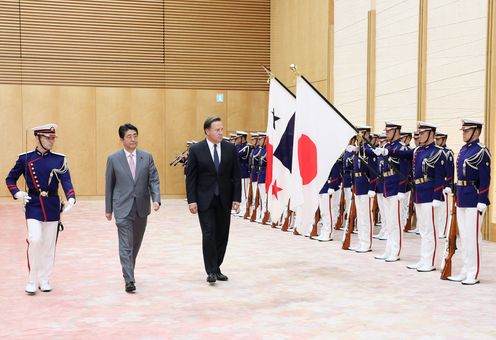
125	127
208	122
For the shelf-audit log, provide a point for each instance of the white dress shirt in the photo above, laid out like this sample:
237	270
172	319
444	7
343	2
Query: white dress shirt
211	148
128	154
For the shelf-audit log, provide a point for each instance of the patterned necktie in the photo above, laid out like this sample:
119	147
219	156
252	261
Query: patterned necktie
216	163
132	165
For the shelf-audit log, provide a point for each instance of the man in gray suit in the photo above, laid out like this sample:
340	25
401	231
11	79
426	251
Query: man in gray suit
131	179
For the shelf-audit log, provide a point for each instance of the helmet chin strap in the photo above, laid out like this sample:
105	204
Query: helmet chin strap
41	144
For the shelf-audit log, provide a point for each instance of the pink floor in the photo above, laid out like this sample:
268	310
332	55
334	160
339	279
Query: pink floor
281	286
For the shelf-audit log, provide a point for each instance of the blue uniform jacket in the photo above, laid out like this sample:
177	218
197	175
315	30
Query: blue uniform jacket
473	166
347	168
262	165
429	173
363	175
450	167
334	180
253	161
243	154
396	168
43	173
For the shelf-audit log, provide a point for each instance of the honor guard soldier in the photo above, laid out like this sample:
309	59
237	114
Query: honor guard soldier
253	167
364	180
416	142
262	165
379	189
429	177
43	170
243	149
395	174
473	170
329	210
347	177
443	213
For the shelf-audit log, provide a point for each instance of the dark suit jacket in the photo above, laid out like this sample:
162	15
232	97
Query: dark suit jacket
201	176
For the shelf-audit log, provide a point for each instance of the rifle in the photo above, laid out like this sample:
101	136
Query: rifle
375	210
287	220
257	204
266	215
411	211
316	221
342	203
351	223
450	248
178	158
249	201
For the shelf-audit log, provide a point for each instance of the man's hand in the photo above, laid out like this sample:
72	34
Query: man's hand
436	203
24	196
156	206
481	207
235	207
193	208
70	204
400	196
371	193
108	216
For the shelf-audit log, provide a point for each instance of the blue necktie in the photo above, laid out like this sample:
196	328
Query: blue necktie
216	158
216	163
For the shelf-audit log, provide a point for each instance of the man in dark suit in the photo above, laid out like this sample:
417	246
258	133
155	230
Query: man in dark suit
131	183
213	187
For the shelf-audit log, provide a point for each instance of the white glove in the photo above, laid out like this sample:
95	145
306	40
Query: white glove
330	191
350	148
378	151
70	204
371	193
24	195
447	190
400	196
436	203
481	207
385	152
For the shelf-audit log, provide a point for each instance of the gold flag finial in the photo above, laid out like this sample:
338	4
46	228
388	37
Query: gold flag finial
294	68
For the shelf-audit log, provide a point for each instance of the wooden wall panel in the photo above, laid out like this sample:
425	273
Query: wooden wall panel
135	43
185	112
112	109
299	35
77	135
217	43
13	131
247	110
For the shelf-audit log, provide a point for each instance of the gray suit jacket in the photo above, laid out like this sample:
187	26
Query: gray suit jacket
121	189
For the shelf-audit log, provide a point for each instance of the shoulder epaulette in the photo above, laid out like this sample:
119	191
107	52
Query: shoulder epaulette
59	154
24	153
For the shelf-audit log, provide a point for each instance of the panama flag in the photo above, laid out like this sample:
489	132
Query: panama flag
321	134
280	130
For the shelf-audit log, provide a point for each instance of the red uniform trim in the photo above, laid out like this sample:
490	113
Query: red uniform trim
399	227
441	187
435	237
27	255
477	216
446	220
370	228
34	183
483	191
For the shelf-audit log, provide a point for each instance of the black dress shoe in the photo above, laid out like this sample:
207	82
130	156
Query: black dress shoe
211	278
130	287
221	277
